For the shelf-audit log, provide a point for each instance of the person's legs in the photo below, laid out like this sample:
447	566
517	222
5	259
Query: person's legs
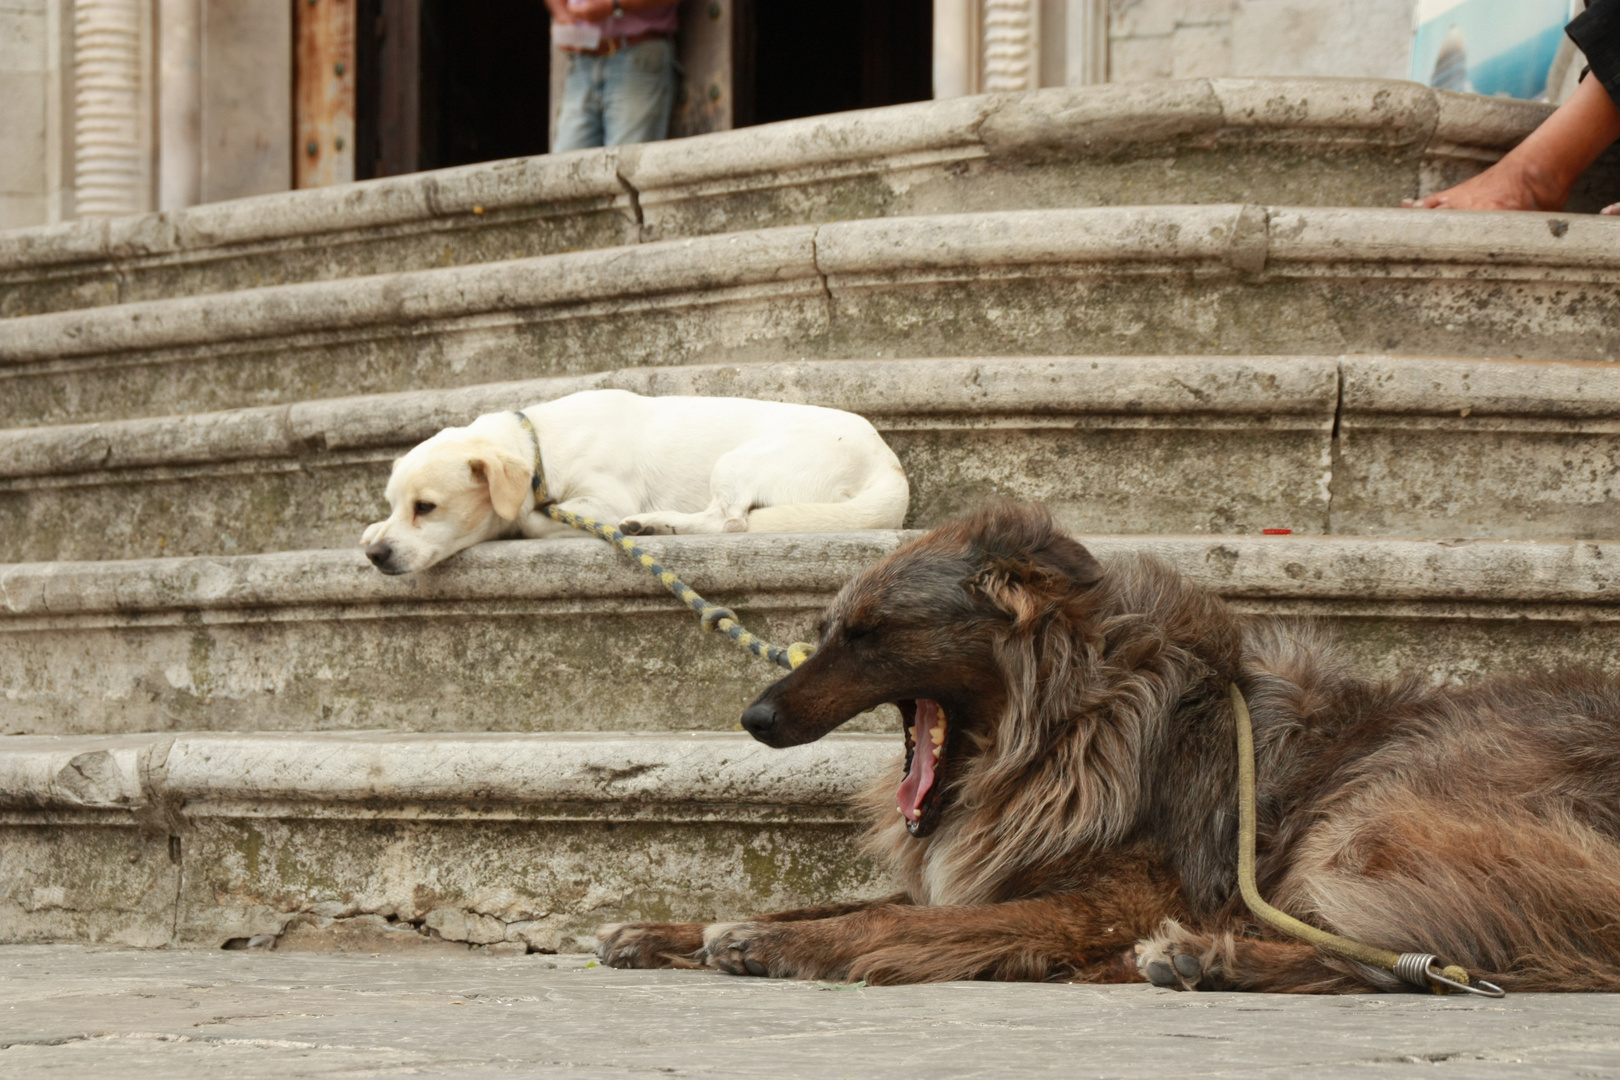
579	121
638	91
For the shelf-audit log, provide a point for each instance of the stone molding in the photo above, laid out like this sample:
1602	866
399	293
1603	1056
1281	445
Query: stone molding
384	840
514	636
906	395
694	776
1295	568
659	190
1281	242
1357	445
1012	37
112	114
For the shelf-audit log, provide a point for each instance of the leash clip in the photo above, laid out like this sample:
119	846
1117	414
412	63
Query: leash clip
1423	970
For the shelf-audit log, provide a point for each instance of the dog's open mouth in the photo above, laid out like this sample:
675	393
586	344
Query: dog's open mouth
919	795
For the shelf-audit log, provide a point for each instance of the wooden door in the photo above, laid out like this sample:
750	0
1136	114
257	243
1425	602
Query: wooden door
323	92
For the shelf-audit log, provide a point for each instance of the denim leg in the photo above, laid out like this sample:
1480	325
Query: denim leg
579	121
638	91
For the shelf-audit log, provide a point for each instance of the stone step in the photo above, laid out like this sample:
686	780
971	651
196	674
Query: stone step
388	841
567	636
1135	280
1355	445
1285	141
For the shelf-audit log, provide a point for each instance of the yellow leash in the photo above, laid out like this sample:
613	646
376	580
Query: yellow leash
711	616
1420	969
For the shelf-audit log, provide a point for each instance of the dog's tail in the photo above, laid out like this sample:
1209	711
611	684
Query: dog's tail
881	504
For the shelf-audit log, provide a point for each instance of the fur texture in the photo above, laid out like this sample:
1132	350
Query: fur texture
1084	796
651	465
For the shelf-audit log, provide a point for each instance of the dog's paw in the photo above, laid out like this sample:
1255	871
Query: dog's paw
650	945
373	531
1172	958
745	948
639	527
1174	971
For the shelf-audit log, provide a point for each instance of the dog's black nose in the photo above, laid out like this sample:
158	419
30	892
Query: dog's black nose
759	720
379	553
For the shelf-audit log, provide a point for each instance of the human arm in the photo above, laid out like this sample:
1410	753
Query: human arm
1539	173
597	10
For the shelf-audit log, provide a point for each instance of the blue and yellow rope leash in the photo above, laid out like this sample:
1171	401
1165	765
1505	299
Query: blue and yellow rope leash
712	616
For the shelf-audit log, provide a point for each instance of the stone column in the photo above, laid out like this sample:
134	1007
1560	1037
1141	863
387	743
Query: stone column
1085	42
982	46
112	116
956	48
179	104
1011	45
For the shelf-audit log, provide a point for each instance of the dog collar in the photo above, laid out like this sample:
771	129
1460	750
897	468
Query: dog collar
537	478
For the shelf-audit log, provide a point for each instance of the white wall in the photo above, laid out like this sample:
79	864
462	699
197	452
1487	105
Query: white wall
1177	39
24	81
1087	41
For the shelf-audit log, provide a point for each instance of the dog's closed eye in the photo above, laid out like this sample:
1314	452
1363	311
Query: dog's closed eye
423	509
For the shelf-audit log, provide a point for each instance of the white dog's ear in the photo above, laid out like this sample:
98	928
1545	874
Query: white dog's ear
508	478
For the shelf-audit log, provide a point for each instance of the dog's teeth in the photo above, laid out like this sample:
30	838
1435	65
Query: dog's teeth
936	753
911	733
938	735
900	809
916	814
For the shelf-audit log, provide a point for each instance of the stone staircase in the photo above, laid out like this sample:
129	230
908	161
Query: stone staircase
1178	313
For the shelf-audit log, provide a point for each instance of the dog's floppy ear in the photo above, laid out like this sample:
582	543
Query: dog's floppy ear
507	476
1064	555
1020	543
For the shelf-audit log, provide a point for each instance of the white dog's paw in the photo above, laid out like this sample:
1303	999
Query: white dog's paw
373	531
645	527
1174	958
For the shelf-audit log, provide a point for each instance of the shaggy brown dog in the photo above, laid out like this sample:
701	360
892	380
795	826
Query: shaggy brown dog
1082	797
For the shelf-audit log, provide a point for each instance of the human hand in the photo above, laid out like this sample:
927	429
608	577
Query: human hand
590	10
1612	209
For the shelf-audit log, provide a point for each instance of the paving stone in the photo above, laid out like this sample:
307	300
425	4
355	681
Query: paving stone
75	1011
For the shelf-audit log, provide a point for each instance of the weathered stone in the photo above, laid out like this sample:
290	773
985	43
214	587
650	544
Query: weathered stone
1111	444
1477	449
383	842
1301	142
1149	444
192	1015
537	635
86	877
504	948
371	934
454	924
1147	281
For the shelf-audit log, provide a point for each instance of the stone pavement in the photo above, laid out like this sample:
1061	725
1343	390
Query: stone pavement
72	1011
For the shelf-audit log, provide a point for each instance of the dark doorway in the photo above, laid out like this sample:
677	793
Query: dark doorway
450	82
796	60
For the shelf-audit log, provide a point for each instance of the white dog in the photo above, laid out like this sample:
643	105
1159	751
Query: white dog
647	464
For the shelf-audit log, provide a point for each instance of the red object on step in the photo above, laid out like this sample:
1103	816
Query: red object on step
1277	532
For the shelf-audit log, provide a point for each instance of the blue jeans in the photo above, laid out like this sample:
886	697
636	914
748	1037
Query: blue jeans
618	99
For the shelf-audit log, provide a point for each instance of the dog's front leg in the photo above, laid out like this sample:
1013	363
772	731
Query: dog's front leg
652	944
1181	958
1023	940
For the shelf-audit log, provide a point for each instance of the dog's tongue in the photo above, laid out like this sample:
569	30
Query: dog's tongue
920	777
